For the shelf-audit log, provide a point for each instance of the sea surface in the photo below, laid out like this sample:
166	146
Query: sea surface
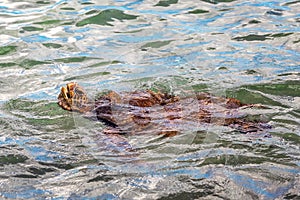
248	50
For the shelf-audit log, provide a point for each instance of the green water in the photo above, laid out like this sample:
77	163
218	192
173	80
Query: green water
246	50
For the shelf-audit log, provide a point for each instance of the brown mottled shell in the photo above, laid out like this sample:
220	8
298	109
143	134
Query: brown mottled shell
155	112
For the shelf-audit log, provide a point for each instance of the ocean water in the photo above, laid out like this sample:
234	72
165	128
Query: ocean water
243	49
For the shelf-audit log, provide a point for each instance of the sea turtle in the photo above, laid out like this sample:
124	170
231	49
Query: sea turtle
156	112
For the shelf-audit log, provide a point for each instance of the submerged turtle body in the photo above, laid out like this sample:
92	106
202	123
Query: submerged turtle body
155	112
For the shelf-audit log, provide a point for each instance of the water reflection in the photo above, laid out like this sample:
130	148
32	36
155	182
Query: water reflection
246	50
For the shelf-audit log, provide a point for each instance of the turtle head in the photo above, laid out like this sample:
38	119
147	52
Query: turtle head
74	98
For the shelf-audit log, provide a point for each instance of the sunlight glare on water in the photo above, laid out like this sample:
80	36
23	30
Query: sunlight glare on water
248	50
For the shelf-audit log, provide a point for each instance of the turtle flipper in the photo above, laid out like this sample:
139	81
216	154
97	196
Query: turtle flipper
114	143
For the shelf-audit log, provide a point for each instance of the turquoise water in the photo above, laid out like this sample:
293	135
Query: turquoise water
243	49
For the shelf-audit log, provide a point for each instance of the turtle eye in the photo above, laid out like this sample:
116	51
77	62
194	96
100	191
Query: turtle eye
70	89
71	86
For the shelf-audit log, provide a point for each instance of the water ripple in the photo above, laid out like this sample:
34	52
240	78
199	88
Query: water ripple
242	49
